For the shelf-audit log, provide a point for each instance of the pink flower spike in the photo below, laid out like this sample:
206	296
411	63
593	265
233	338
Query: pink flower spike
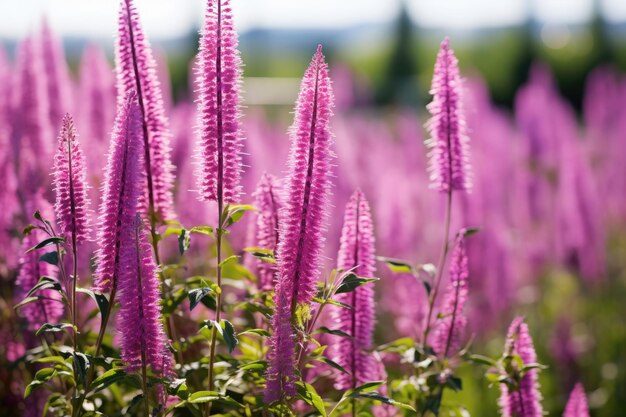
577	403
139	322
136	72
304	216
448	143
357	254
219	77
70	181
526	400
120	191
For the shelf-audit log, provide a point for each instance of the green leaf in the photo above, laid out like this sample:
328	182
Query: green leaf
258	332
200	397
333	364
183	241
379	397
100	299
326	330
109	377
196	295
28	300
228	260
482	360
311	397
45	283
454	383
259	366
398	345
471	231
368	386
50	257
236	212
203	230
171	303
351	282
41	377
397	265
54	240
228	332
81	364
266	255
53	328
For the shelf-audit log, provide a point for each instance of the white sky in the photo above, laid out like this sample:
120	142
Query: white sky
171	18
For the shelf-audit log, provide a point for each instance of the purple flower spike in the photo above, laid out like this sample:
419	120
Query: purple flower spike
120	192
304	217
577	403
70	181
525	401
448	336
357	253
448	144
268	203
142	335
219	77
136	72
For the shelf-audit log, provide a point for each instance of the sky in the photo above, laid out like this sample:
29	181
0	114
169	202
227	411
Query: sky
174	18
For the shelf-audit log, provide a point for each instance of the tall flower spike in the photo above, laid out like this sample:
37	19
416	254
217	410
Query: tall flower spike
142	335
70	182
301	234
268	203
577	403
120	191
219	131
448	336
356	253
448	143
526	400
136	72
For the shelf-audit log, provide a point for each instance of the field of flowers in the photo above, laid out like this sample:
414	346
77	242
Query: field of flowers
199	258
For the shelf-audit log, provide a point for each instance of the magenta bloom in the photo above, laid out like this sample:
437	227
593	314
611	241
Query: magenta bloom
357	253
120	191
268	202
304	217
448	336
219	77
448	144
136	72
525	401
140	326
577	403
70	181
31	135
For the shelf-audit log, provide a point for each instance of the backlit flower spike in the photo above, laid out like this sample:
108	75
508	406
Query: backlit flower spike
448	143
577	403
120	191
268	202
526	400
448	337
220	144
357	254
140	325
136	72
303	218
70	182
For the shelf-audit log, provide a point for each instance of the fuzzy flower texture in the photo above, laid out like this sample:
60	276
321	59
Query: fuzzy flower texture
357	254
302	232
219	131
448	143
526	400
577	403
120	193
70	181
136	72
